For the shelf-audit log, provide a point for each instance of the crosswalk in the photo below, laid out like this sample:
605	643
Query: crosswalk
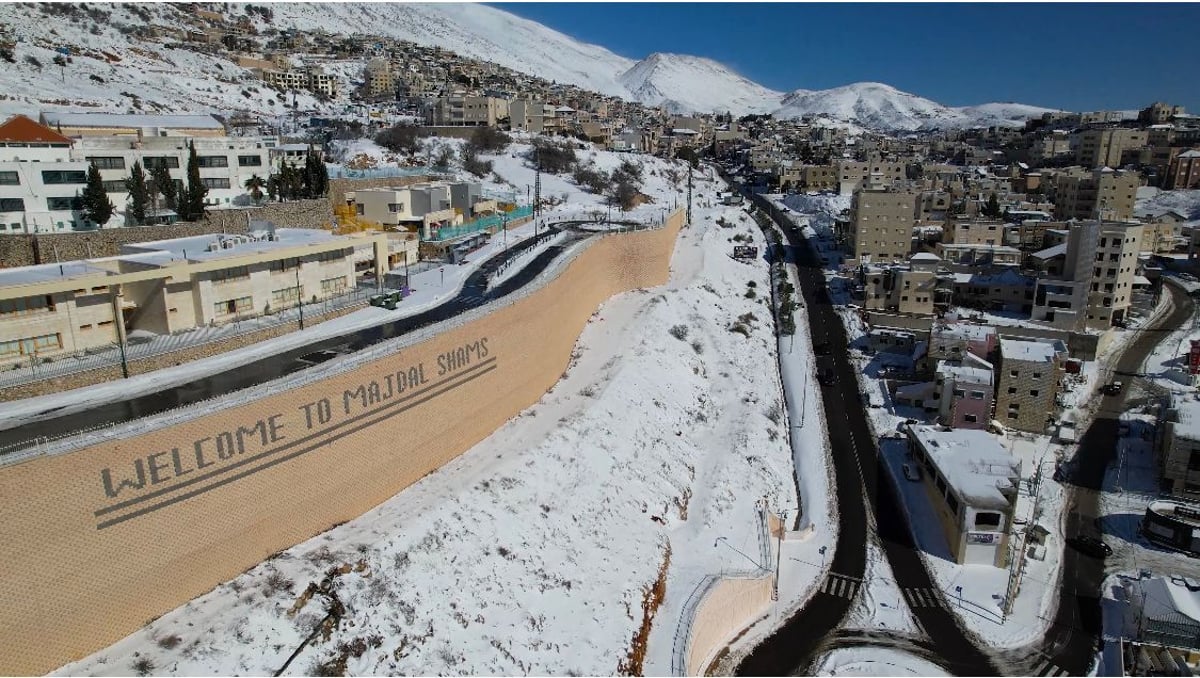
922	597
1046	668
840	585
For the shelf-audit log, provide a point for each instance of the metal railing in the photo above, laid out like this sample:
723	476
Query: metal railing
482	223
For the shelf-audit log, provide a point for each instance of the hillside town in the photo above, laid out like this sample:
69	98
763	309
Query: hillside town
999	317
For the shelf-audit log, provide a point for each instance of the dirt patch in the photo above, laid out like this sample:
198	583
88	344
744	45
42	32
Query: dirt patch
652	599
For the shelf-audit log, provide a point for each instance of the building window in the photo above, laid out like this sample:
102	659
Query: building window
12	205
215	182
987	519
115	186
1033	393
10	179
1012	390
1013	415
32	345
230	274
26	305
63	177
959	393
63	204
1013	373
281	265
333	285
287	296
154	161
117	163
952	503
395	207
976	395
231	306
249	161
212	161
1037	375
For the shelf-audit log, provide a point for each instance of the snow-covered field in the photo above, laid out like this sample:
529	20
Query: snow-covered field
531	553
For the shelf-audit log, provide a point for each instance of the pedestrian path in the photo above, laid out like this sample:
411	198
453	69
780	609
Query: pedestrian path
923	597
1045	667
841	585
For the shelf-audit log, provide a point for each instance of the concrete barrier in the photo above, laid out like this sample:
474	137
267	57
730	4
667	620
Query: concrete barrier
95	543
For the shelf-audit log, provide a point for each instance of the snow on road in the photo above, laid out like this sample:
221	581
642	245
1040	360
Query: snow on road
875	661
532	551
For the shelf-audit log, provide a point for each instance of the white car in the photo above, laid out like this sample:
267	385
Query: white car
1067	432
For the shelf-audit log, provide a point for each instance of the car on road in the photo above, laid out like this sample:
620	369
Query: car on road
1092	546
912	471
821	348
1113	388
824	372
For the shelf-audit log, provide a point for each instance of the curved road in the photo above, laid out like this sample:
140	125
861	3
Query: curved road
859	473
473	294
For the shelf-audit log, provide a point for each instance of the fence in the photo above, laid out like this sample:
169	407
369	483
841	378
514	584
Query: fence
687	614
68	441
39	367
483	223
384	173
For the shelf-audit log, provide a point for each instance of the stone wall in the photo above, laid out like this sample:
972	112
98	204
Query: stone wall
97	542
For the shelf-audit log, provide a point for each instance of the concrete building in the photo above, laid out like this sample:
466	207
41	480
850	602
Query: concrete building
977	231
953	342
1102	193
903	289
1093	289
131	124
971	481
426	208
856	174
1030	372
967	257
378	79
470	111
1184	171
964	394
1159	113
1181	447
881	224
534	116
170	286
1106	147
1003	288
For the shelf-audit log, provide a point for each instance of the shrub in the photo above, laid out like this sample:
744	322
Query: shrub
400	138
33	61
741	329
624	193
276	583
143	666
680	332
554	157
490	139
750	294
697	347
169	642
472	163
594	180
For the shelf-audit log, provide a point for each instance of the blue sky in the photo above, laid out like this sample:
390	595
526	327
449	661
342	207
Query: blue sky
1071	56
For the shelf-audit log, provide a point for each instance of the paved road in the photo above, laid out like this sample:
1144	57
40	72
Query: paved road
859	474
474	293
1074	636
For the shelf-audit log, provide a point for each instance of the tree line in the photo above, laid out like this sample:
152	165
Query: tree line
154	190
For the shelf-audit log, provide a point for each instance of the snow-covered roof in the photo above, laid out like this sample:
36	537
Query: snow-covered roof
1029	351
28	275
925	256
130	120
1189	154
964	373
1187	420
968	331
197	248
973	463
1005	276
1164	598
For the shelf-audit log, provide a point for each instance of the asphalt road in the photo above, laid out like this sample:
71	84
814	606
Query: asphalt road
858	471
473	294
1074	636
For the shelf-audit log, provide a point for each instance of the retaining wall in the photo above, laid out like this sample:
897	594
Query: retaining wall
95	543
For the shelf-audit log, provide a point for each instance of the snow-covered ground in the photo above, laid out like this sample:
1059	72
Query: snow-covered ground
532	551
875	661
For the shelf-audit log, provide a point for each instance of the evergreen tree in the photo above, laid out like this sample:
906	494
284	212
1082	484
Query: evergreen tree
273	186
193	197
316	176
992	209
255	186
97	208
164	185
139	195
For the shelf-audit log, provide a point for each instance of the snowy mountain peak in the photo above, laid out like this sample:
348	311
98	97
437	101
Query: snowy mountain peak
686	84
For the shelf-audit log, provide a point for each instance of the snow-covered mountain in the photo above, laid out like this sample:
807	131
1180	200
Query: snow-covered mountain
119	64
881	106
688	84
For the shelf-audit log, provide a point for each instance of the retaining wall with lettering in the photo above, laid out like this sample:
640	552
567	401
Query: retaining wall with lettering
95	543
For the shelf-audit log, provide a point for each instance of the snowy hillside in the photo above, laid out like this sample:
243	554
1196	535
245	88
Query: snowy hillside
688	84
117	64
881	106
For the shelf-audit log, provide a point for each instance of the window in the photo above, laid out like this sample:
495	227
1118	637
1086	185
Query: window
333	285
249	161
117	163
971	418
215	182
115	186
12	205
1012	390
10	179
231	306
976	395
62	204
1014	406
1037	375
287	296
168	161
1034	393
26	305
1013	415
394	207
32	345
212	161
63	177
230	274
1013	373
952	503
358	208
1194	461
959	393
987	519
280	265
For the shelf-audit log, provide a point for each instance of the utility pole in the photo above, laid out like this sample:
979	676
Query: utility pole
778	556
537	183
299	294
689	199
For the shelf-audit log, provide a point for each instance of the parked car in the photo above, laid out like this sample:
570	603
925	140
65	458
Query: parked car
1092	546
1067	432
1113	388
912	471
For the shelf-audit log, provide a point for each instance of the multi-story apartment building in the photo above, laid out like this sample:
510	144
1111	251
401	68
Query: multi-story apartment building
378	78
854	174
1093	290
1105	147
976	231
1184	171
964	395
42	172
426	207
76	125
1159	113
534	116
1181	447
881	224
952	342
168	286
469	111
1028	384
904	289
971	256
1101	193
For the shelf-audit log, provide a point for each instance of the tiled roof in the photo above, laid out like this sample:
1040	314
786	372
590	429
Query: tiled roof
22	130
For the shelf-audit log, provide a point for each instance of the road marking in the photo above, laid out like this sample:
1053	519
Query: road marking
1042	667
840	585
922	597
